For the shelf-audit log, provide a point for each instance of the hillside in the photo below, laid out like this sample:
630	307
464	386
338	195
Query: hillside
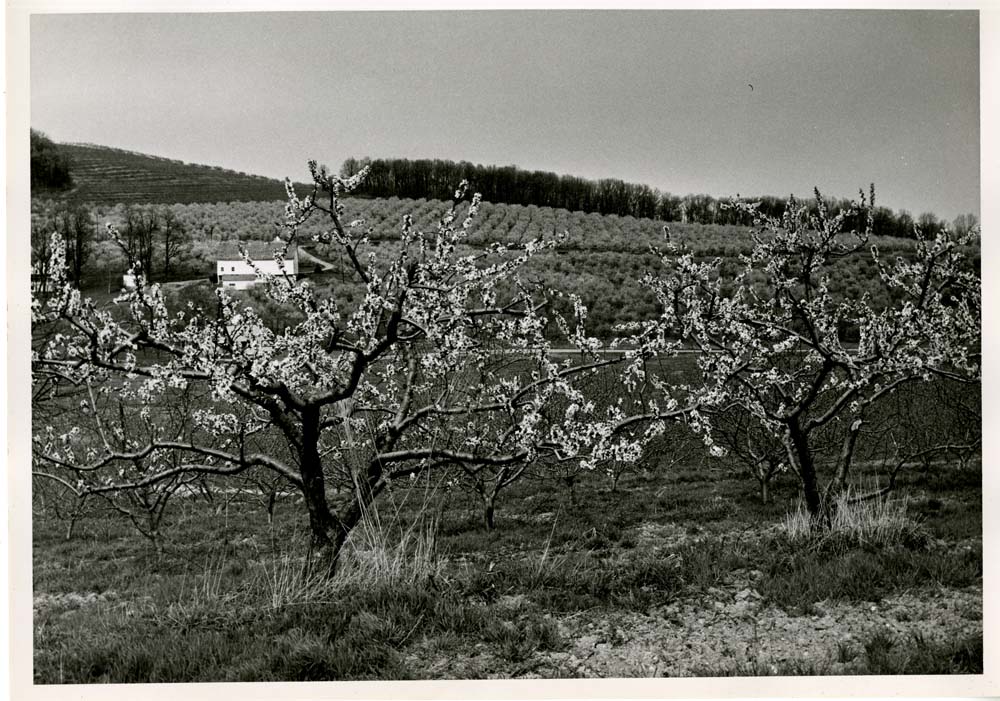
102	175
601	258
106	176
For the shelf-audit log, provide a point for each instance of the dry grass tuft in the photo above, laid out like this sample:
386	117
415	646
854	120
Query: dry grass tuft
879	522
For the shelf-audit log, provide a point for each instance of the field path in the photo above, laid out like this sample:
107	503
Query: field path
309	257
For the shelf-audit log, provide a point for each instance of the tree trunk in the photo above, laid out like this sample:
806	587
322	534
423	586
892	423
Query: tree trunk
571	483
839	483
797	446
271	500
328	533
765	491
206	492
489	509
74	516
324	547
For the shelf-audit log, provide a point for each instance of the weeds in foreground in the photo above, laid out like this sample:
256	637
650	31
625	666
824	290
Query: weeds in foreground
916	655
876	523
282	622
364	634
391	552
800	579
576	581
871	549
397	609
376	556
881	654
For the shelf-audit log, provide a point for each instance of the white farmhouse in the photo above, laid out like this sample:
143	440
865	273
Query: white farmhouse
234	271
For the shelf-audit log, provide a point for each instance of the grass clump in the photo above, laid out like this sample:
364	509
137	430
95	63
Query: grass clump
517	641
870	549
877	523
916	655
881	654
393	552
796	580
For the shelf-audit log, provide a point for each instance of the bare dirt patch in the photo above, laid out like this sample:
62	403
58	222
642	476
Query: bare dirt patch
729	628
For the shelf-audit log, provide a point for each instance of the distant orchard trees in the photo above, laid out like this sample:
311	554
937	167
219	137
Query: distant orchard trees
154	237
434	178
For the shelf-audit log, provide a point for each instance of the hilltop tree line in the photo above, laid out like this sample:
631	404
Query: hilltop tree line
435	179
50	166
52	170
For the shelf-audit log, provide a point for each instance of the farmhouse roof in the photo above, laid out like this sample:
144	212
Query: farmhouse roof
258	250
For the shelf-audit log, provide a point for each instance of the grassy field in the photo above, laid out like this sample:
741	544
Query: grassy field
676	573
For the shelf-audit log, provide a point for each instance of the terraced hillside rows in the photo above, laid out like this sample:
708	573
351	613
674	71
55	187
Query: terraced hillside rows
103	175
602	257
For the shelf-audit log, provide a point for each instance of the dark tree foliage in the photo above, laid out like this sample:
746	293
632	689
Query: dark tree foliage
50	167
507	184
434	179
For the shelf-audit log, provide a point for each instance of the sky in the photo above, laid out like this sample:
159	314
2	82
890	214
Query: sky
839	99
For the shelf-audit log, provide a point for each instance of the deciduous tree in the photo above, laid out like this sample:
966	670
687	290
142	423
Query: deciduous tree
173	238
402	383
770	337
137	237
76	225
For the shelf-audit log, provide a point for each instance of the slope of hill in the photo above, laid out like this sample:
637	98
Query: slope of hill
602	257
106	176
